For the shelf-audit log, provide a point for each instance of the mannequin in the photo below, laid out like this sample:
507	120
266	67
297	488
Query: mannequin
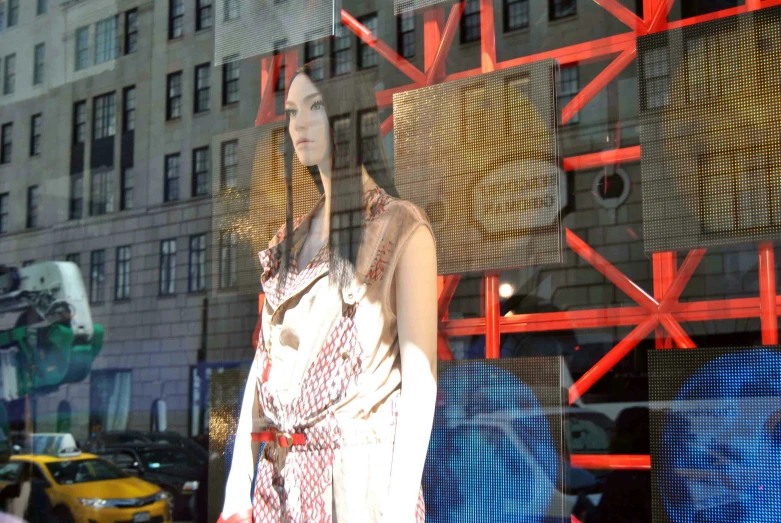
341	395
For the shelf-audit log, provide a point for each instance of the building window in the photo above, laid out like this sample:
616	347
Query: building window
131	31
27	263
231	9
203	19
79	121
13	13
341	125
656	73
9	77
342	44
104	116
406	35
167	267
2	19
76	207
173	106
369	138
82	48
470	22
200	171
367	57
568	88
312	51
228	243
196	280
109	400
122	283
32	207
97	276
3	213
41	7
35	134
562	8
106	40
38	64
230	81
6	142
516	14
229	158
175	19
126	194
129	108
171	178
280	85
102	200
202	87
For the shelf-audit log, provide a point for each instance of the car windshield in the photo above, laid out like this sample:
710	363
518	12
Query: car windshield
83	471
165	458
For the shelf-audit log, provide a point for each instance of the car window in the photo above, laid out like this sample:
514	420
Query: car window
37	473
122	459
84	470
10	471
164	458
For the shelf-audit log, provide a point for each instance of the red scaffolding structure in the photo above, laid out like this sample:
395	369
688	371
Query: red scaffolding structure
661	313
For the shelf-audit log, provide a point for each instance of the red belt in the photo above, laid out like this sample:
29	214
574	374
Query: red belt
283	439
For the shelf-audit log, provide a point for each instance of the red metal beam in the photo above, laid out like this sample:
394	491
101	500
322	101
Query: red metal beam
387	125
266	109
569	320
688	267
767	294
609	360
611	461
659	20
610	272
665	265
600	159
383	49
492	314
682	340
598	83
433	23
487	36
437	69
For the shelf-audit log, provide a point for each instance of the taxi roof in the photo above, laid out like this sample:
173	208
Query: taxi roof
46	458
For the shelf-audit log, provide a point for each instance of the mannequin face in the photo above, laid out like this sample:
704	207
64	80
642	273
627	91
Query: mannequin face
308	122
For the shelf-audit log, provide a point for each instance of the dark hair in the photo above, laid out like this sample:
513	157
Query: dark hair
346	96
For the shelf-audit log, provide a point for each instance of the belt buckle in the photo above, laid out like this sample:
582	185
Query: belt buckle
286	437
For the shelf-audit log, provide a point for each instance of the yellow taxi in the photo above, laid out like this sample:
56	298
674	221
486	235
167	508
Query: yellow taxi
83	488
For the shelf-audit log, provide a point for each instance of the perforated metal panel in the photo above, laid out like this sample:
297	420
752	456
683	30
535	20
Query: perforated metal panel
249	203
715	429
495	452
481	156
711	132
244	28
404	6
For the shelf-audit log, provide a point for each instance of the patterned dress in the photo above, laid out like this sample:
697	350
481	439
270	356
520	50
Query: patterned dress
327	365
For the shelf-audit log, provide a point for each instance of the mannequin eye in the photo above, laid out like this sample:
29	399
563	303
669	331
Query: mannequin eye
290	112
317	105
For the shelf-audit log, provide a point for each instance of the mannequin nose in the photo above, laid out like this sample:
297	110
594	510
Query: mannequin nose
302	122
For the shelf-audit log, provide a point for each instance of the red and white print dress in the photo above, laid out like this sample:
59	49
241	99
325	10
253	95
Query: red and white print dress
327	365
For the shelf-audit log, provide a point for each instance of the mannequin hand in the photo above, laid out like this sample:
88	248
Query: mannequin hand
239	517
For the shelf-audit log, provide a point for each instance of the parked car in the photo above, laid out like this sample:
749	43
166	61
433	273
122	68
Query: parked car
174	469
174	438
113	438
75	487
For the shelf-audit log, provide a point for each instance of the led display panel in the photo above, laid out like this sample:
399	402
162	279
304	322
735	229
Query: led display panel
405	6
495	452
716	435
245	28
248	203
711	132
480	155
226	391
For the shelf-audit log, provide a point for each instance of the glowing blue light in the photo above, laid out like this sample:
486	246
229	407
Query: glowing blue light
491	456
720	459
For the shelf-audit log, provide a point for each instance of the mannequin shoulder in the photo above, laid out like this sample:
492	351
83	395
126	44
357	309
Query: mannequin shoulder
405	213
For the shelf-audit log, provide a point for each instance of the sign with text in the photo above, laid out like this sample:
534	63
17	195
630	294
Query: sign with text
480	155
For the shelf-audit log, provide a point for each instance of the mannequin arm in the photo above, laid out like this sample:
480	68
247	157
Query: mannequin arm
416	306
238	506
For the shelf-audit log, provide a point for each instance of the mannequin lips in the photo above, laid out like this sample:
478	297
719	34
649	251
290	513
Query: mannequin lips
303	141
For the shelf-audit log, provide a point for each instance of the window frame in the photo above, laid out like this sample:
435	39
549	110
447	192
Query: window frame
39	63
316	74
41	7
565	97
76	196
122	272
36	130
126	189
196	273
201	89
553	5
12	20
131	31
167	267
401	32
32	207
175	19
107	49
341	46
173	100
228	249
368	57
9	74
79	126
129	109
81	44
196	182
171	180
6	143
97	276
200	8
230	85
224	166
101	192
104	110
4	212
466	26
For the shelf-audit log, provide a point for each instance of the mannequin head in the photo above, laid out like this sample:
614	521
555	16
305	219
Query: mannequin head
312	111
308	123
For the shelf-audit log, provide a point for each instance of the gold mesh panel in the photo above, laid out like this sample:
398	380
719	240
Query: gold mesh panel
480	155
711	132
